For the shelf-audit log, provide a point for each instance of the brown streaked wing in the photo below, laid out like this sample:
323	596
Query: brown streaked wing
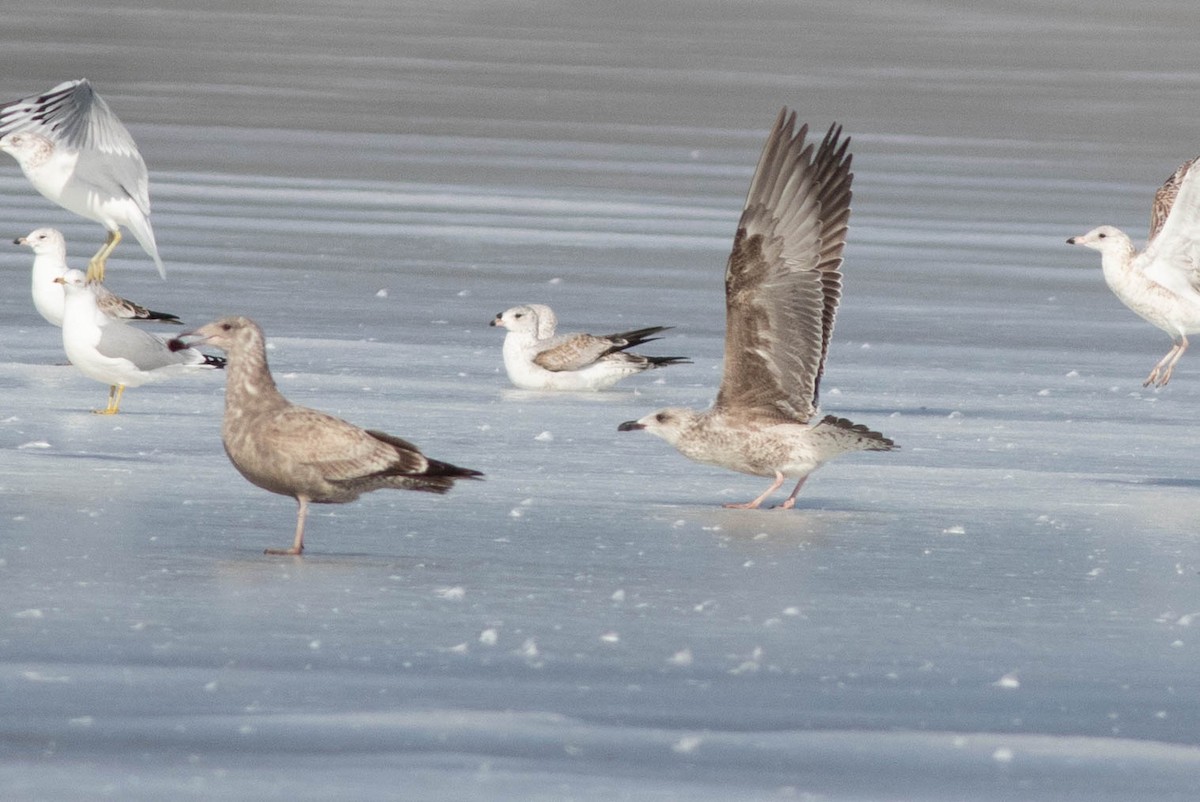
1164	198
1172	257
783	279
338	449
573	351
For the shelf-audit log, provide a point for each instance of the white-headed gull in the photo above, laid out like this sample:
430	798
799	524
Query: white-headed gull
50	261
1162	282
75	151
535	358
113	352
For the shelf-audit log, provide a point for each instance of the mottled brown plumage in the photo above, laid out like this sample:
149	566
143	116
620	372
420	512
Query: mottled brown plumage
1165	197
303	453
783	283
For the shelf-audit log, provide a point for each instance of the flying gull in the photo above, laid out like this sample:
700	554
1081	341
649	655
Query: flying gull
1162	282
300	452
537	359
75	151
783	282
111	351
50	262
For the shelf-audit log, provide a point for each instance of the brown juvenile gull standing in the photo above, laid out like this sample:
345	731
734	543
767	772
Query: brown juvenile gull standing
1162	283
535	358
300	452
783	282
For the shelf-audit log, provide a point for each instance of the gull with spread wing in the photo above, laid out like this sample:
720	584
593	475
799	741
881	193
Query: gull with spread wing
783	282
75	151
1162	282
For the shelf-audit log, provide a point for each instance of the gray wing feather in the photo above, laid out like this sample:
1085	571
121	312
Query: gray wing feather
73	115
119	340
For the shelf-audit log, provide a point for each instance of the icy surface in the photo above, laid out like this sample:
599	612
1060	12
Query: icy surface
1004	609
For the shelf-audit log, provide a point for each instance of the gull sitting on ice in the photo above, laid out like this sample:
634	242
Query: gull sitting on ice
50	262
112	352
1161	283
536	359
783	282
300	452
75	151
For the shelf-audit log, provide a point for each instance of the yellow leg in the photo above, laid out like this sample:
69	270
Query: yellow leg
95	271
114	400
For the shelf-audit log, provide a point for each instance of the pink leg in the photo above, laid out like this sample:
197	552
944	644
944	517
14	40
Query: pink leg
791	500
1166	366
297	544
753	505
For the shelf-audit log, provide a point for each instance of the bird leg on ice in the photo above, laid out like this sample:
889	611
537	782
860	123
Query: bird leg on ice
753	505
95	271
1166	366
790	501
115	392
297	544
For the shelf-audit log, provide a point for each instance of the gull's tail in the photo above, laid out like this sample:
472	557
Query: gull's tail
141	230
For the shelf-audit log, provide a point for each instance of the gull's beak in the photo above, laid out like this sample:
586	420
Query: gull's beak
19	241
497	321
631	426
1073	240
60	280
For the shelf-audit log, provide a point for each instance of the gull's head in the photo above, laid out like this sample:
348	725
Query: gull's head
669	423
535	319
73	281
1104	239
230	334
44	240
28	148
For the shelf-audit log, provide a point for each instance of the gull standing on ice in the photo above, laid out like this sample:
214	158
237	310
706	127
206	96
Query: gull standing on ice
50	262
1161	283
300	452
111	351
75	151
782	286
536	359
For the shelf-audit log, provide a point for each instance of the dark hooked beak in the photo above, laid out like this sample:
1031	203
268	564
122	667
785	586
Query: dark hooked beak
630	426
19	241
496	321
1071	241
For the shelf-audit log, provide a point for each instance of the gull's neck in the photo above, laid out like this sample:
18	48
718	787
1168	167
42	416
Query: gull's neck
249	387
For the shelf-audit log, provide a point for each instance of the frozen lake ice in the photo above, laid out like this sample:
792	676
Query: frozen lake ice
1001	610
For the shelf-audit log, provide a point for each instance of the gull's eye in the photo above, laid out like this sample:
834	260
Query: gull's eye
519	315
662	417
227	327
1102	235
